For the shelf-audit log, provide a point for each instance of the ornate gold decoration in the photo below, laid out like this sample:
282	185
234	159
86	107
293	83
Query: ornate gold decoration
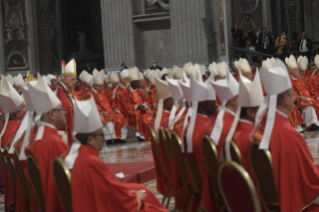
30	77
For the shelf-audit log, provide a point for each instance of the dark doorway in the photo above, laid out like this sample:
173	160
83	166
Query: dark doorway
83	16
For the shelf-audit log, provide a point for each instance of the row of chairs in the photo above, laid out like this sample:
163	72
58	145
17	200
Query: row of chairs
230	183
62	176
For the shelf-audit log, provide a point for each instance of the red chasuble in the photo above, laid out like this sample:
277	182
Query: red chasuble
103	104
314	84
96	188
44	151
67	103
83	93
137	119
297	177
161	179
302	89
295	117
153	97
307	75
227	123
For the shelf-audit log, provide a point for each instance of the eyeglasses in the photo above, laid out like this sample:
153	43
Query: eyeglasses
63	110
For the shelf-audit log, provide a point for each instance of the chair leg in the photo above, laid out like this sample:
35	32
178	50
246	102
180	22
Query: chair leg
166	191
169	197
190	205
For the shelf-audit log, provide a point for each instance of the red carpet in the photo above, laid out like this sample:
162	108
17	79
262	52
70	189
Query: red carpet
135	172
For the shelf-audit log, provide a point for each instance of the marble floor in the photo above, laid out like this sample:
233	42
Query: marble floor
134	151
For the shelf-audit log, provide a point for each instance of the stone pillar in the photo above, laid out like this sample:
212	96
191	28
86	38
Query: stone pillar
188	36
33	47
18	38
118	38
266	7
2	56
44	36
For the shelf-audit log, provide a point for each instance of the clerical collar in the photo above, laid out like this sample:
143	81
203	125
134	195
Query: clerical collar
246	121
122	86
87	88
132	90
199	114
281	113
166	111
229	111
293	78
95	91
49	125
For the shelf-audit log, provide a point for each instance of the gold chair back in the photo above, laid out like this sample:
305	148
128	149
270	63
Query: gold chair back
212	162
176	144
155	145
3	161
11	167
231	177
62	177
234	153
166	138
23	177
35	176
261	162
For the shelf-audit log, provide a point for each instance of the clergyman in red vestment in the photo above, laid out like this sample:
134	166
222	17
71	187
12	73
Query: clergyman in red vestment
94	186
47	144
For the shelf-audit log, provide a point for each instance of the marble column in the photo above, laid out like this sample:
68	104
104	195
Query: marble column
311	8
189	41
2	56
266	8
118	37
33	47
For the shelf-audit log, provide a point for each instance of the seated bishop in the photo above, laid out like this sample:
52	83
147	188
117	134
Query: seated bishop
65	87
94	186
295	172
304	100
47	144
227	91
86	89
250	97
295	117
163	111
203	98
136	106
112	118
14	109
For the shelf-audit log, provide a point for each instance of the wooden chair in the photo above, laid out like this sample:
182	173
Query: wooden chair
3	161
234	153
185	175
166	138
23	177
13	175
261	162
62	178
35	176
157	154
212	163
237	188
